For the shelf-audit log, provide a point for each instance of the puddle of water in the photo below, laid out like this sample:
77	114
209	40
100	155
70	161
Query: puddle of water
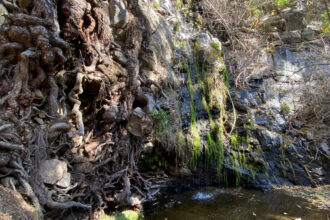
213	203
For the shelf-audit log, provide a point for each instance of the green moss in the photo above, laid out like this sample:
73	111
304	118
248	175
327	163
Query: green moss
234	140
285	109
196	145
214	149
226	76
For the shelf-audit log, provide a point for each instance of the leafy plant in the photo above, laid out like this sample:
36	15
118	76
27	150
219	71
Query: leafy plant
285	109
325	27
281	3
216	46
161	122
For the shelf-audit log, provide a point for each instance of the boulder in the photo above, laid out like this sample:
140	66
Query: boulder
294	19
307	34
65	181
139	123
52	171
291	37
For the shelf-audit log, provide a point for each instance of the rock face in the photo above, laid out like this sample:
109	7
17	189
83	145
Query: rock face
273	154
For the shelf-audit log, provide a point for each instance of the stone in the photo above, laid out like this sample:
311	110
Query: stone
52	171
3	11
291	37
309	135
202	40
139	123
318	171
294	19
307	34
268	139
180	171
273	23
148	147
118	13
64	182
325	148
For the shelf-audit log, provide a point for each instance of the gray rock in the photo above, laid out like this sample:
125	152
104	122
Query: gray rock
118	13
273	23
52	171
318	171
325	148
294	19
64	182
268	139
203	40
139	123
151	17
307	34
291	37
309	135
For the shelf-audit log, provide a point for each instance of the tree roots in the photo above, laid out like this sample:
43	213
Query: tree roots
93	139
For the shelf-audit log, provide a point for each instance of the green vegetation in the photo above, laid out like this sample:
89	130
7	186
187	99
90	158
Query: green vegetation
226	76
282	3
216	46
125	215
156	5
325	27
162	122
157	160
285	109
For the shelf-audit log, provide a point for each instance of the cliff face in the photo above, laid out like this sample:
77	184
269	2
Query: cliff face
100	98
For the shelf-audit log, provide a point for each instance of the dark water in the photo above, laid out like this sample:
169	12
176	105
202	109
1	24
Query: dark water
214	203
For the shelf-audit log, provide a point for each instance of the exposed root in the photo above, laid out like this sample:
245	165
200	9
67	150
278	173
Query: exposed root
29	192
74	97
99	150
10	146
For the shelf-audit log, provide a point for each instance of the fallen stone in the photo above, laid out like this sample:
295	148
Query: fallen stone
52	171
291	37
295	19
65	182
139	123
307	34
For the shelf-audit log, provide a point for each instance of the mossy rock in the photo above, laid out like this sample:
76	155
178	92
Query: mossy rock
125	215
